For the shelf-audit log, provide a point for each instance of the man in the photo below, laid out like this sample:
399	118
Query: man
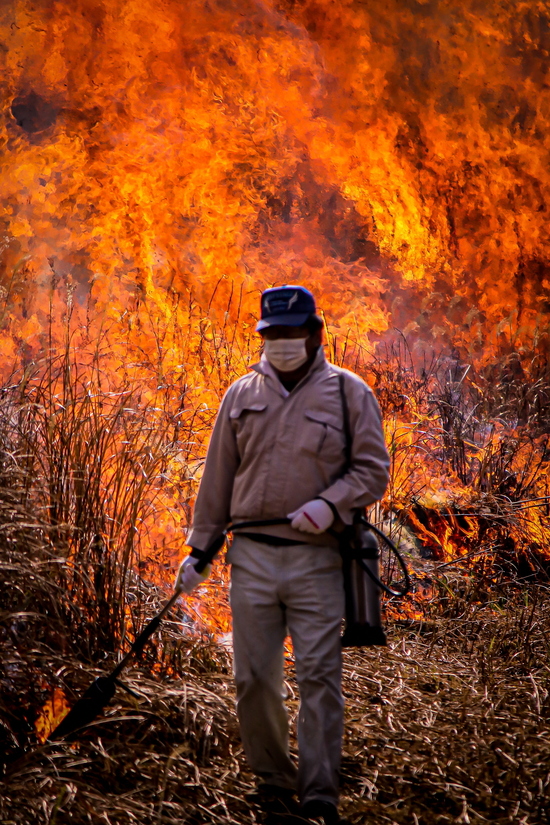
278	449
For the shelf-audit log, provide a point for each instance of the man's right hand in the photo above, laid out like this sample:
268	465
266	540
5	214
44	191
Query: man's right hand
188	578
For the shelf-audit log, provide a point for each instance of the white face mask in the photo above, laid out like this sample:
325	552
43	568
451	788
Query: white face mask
286	354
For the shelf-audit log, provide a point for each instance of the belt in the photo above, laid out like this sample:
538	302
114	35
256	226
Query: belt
275	541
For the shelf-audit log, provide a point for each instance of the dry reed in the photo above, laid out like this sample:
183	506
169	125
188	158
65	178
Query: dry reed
448	725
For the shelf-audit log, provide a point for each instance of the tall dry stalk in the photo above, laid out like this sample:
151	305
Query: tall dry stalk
91	464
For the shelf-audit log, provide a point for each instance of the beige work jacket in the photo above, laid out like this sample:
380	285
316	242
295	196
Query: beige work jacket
272	451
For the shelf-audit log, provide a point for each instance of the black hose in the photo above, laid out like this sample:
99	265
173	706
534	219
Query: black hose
396	593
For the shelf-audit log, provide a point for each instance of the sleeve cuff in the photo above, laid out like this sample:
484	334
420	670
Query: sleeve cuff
332	506
201	538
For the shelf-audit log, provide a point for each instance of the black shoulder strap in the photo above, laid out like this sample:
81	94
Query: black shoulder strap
345	415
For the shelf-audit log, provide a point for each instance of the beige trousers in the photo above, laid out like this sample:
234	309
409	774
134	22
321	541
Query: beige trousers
296	590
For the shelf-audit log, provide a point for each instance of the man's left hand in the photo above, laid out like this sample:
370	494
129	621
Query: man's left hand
313	517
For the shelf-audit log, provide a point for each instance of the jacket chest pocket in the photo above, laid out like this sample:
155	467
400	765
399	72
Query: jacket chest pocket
322	435
248	422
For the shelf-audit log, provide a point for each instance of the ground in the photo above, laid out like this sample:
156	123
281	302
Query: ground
448	724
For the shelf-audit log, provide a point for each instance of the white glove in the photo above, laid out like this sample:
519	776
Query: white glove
188	578
313	517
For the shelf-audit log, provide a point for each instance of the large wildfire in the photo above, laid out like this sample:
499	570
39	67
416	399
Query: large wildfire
163	162
392	157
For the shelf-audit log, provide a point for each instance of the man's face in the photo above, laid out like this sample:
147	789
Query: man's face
313	340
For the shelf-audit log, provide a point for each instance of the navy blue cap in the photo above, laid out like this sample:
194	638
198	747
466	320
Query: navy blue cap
287	306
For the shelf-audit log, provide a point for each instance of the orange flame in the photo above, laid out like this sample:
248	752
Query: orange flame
214	149
163	163
51	714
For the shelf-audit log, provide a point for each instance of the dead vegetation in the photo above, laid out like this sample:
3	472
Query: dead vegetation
454	727
450	724
447	725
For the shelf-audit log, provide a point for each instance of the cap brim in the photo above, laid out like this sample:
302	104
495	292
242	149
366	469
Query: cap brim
288	320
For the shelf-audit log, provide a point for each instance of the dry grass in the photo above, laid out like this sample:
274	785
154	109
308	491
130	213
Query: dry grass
447	725
451	725
470	449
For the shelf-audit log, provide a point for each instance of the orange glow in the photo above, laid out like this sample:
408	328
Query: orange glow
360	150
164	163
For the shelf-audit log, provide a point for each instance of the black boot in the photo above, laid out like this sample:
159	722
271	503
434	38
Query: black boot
324	812
276	802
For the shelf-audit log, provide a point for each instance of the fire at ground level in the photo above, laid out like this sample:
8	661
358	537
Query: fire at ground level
446	725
